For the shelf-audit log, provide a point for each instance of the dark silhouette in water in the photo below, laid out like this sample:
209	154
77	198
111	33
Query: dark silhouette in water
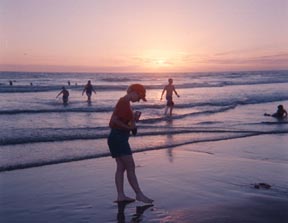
65	96
281	113
169	88
88	89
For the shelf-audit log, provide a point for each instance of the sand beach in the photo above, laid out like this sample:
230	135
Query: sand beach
204	182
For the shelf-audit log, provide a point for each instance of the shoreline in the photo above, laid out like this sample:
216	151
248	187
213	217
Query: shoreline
96	156
203	182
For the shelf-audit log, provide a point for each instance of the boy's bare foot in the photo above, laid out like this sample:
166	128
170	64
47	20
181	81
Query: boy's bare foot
143	198
125	199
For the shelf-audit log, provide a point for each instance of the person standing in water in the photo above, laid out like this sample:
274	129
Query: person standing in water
88	89
169	88
122	122
65	95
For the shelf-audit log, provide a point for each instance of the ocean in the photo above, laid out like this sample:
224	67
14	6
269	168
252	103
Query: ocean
37	129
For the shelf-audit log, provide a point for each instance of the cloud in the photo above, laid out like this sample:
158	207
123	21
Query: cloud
239	58
274	59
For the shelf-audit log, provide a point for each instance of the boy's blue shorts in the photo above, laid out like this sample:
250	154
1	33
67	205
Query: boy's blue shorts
118	143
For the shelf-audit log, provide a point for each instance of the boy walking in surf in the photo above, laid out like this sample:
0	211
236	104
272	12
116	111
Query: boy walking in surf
169	88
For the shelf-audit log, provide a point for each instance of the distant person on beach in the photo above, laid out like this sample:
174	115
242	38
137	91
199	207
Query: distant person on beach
169	88
122	122
88	89
65	95
10	83
281	113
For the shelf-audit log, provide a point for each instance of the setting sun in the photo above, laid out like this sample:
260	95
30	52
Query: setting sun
161	62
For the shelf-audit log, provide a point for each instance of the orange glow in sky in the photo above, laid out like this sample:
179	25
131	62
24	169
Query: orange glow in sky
143	36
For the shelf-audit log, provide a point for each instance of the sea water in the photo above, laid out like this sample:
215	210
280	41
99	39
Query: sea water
37	129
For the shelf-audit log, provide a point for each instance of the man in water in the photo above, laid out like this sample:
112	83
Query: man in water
169	88
65	96
281	113
88	89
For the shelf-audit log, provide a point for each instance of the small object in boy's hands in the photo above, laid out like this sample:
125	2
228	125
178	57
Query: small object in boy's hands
137	115
134	131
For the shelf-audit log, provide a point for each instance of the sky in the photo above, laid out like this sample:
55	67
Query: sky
143	35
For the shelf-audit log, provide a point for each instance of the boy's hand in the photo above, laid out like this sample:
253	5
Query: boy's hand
134	131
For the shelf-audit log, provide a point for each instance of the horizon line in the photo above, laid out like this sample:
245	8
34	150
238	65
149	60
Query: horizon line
145	72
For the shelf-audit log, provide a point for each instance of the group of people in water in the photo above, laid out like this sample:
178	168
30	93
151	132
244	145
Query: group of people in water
169	89
88	89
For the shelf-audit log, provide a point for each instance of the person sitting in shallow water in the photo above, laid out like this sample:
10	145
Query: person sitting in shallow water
281	113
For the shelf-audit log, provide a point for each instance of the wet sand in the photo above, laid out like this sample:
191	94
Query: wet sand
204	182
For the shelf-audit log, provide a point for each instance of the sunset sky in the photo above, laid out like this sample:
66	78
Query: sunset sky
143	35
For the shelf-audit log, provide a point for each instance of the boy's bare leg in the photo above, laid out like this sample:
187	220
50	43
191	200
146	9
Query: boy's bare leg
119	181
171	108
165	111
132	178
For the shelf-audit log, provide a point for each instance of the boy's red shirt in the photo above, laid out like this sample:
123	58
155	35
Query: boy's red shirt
123	111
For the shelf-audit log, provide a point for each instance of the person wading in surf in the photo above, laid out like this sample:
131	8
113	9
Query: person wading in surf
169	96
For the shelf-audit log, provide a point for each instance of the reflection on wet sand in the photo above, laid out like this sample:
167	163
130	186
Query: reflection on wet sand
169	140
136	217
